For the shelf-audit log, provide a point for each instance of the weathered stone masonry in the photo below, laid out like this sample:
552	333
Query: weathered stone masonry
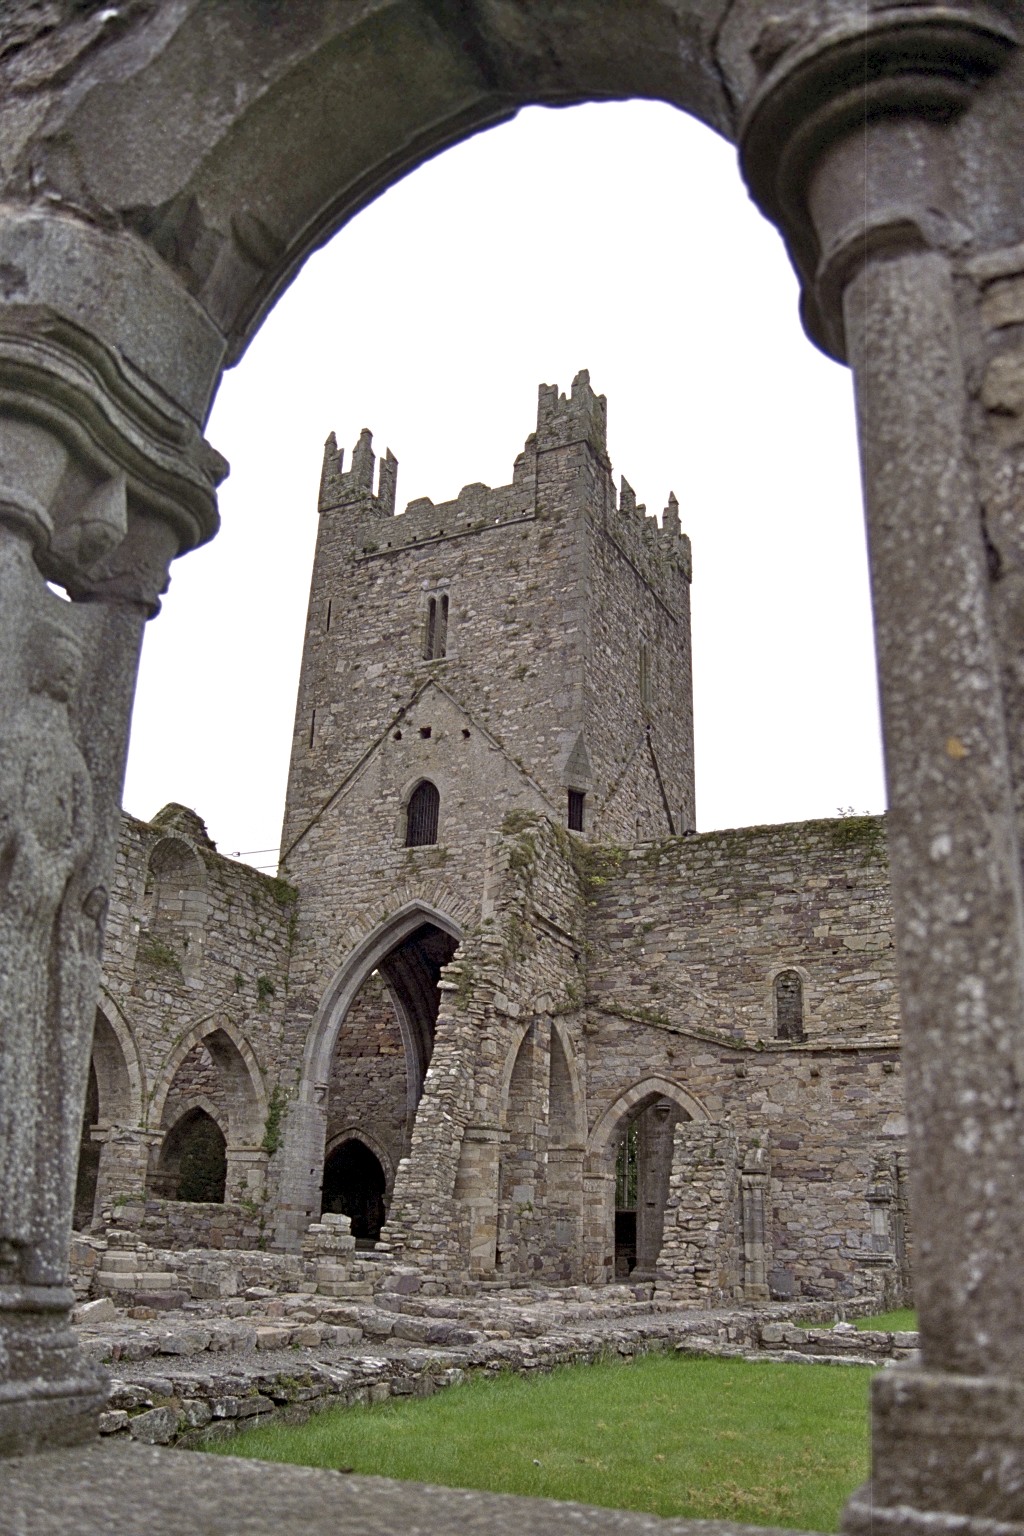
138	259
544	1053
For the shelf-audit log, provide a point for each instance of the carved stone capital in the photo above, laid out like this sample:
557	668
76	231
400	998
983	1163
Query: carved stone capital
840	144
108	480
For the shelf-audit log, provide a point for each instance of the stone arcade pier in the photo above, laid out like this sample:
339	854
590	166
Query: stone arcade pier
883	138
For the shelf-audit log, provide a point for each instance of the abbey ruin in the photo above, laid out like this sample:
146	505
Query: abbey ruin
166	168
504	1008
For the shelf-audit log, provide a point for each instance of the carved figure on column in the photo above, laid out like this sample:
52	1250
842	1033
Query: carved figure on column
46	826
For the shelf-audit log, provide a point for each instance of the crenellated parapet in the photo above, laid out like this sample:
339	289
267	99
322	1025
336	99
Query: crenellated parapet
355	487
660	553
579	417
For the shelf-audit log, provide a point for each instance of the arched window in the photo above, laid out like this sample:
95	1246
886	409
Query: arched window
193	1160
421	816
175	911
789	1006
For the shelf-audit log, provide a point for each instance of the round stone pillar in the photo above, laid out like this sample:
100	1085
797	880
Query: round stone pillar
850	144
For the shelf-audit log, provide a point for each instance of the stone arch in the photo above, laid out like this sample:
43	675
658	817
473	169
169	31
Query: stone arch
113	1106
120	1079
320	121
355	1185
192	1163
511	1058
567	1111
407	948
625	1239
365	958
633	1099
788	1025
423	815
174	904
542	1118
236	1060
376	1146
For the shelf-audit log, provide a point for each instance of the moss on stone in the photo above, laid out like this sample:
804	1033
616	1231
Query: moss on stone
272	1135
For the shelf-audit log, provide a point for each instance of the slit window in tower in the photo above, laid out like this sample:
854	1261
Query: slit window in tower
421	815
576	799
645	675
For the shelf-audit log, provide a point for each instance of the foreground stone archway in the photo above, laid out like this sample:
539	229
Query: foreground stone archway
136	263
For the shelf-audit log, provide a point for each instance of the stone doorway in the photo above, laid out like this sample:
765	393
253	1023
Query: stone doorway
354	1186
643	1166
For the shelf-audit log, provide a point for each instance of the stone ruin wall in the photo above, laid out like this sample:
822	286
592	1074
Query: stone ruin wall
592	969
517	972
827	1109
195	961
685	938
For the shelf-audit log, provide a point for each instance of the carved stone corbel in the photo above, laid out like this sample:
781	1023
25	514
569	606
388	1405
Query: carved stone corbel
840	143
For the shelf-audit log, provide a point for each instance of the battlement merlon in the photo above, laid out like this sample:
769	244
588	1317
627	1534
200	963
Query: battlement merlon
354	487
582	417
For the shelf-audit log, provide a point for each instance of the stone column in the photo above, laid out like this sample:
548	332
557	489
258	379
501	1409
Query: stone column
476	1194
564	1239
598	1223
102	482
124	1165
851	145
301	1170
755	1190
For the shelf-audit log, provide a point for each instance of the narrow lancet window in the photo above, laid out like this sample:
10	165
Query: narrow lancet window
789	1006
435	637
421	815
575	817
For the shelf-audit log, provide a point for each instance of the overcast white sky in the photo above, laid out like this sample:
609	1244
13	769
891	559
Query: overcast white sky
617	238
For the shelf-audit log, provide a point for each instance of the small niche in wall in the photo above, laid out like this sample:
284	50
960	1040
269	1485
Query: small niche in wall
788	994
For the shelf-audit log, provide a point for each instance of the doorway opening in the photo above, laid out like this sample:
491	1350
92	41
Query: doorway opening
354	1186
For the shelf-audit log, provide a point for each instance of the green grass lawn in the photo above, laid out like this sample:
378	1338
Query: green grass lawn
903	1321
714	1439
